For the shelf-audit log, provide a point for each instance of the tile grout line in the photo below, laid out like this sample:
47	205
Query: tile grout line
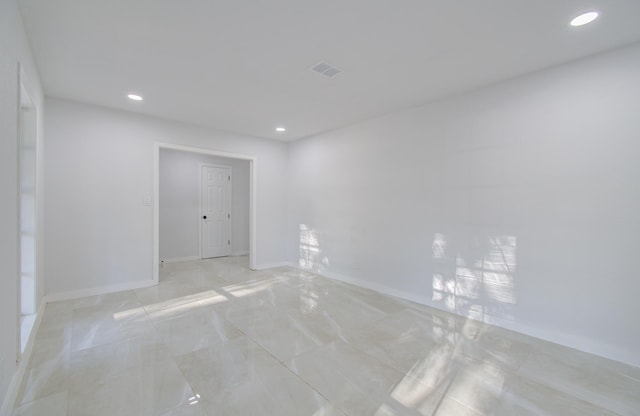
284	365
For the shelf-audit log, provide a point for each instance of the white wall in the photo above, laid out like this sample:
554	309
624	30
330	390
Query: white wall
180	203
100	169
516	204
14	48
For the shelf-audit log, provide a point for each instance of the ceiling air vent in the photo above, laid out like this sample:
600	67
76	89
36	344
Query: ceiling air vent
325	69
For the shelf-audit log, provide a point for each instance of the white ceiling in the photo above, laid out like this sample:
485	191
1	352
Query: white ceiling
243	66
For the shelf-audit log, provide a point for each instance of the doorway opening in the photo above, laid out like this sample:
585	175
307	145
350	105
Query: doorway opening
204	205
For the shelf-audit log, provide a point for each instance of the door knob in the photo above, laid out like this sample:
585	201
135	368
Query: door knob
204	217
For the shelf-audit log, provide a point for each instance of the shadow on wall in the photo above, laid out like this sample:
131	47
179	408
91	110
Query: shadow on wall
475	276
310	252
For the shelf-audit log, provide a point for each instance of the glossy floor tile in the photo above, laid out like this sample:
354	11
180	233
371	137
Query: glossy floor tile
214	338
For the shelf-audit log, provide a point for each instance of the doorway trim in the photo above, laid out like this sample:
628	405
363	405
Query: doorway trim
253	192
26	103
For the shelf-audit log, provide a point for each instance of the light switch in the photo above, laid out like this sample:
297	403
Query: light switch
146	201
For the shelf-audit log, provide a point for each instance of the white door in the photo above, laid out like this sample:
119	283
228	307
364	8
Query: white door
216	211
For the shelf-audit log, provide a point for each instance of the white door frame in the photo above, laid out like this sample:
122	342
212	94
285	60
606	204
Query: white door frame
202	165
253	192
25	101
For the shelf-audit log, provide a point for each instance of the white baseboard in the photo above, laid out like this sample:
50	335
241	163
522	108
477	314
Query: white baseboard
179	259
376	287
192	258
18	376
595	347
588	346
75	294
273	265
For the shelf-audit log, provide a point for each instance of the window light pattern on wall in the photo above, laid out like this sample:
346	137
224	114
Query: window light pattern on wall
475	277
310	253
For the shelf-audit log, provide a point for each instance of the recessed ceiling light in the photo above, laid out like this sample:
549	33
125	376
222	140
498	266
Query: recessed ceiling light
280	129
584	18
135	97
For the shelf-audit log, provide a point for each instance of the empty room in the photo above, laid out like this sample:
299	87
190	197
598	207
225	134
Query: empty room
339	208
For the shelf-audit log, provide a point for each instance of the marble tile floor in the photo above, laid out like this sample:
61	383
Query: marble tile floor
214	338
